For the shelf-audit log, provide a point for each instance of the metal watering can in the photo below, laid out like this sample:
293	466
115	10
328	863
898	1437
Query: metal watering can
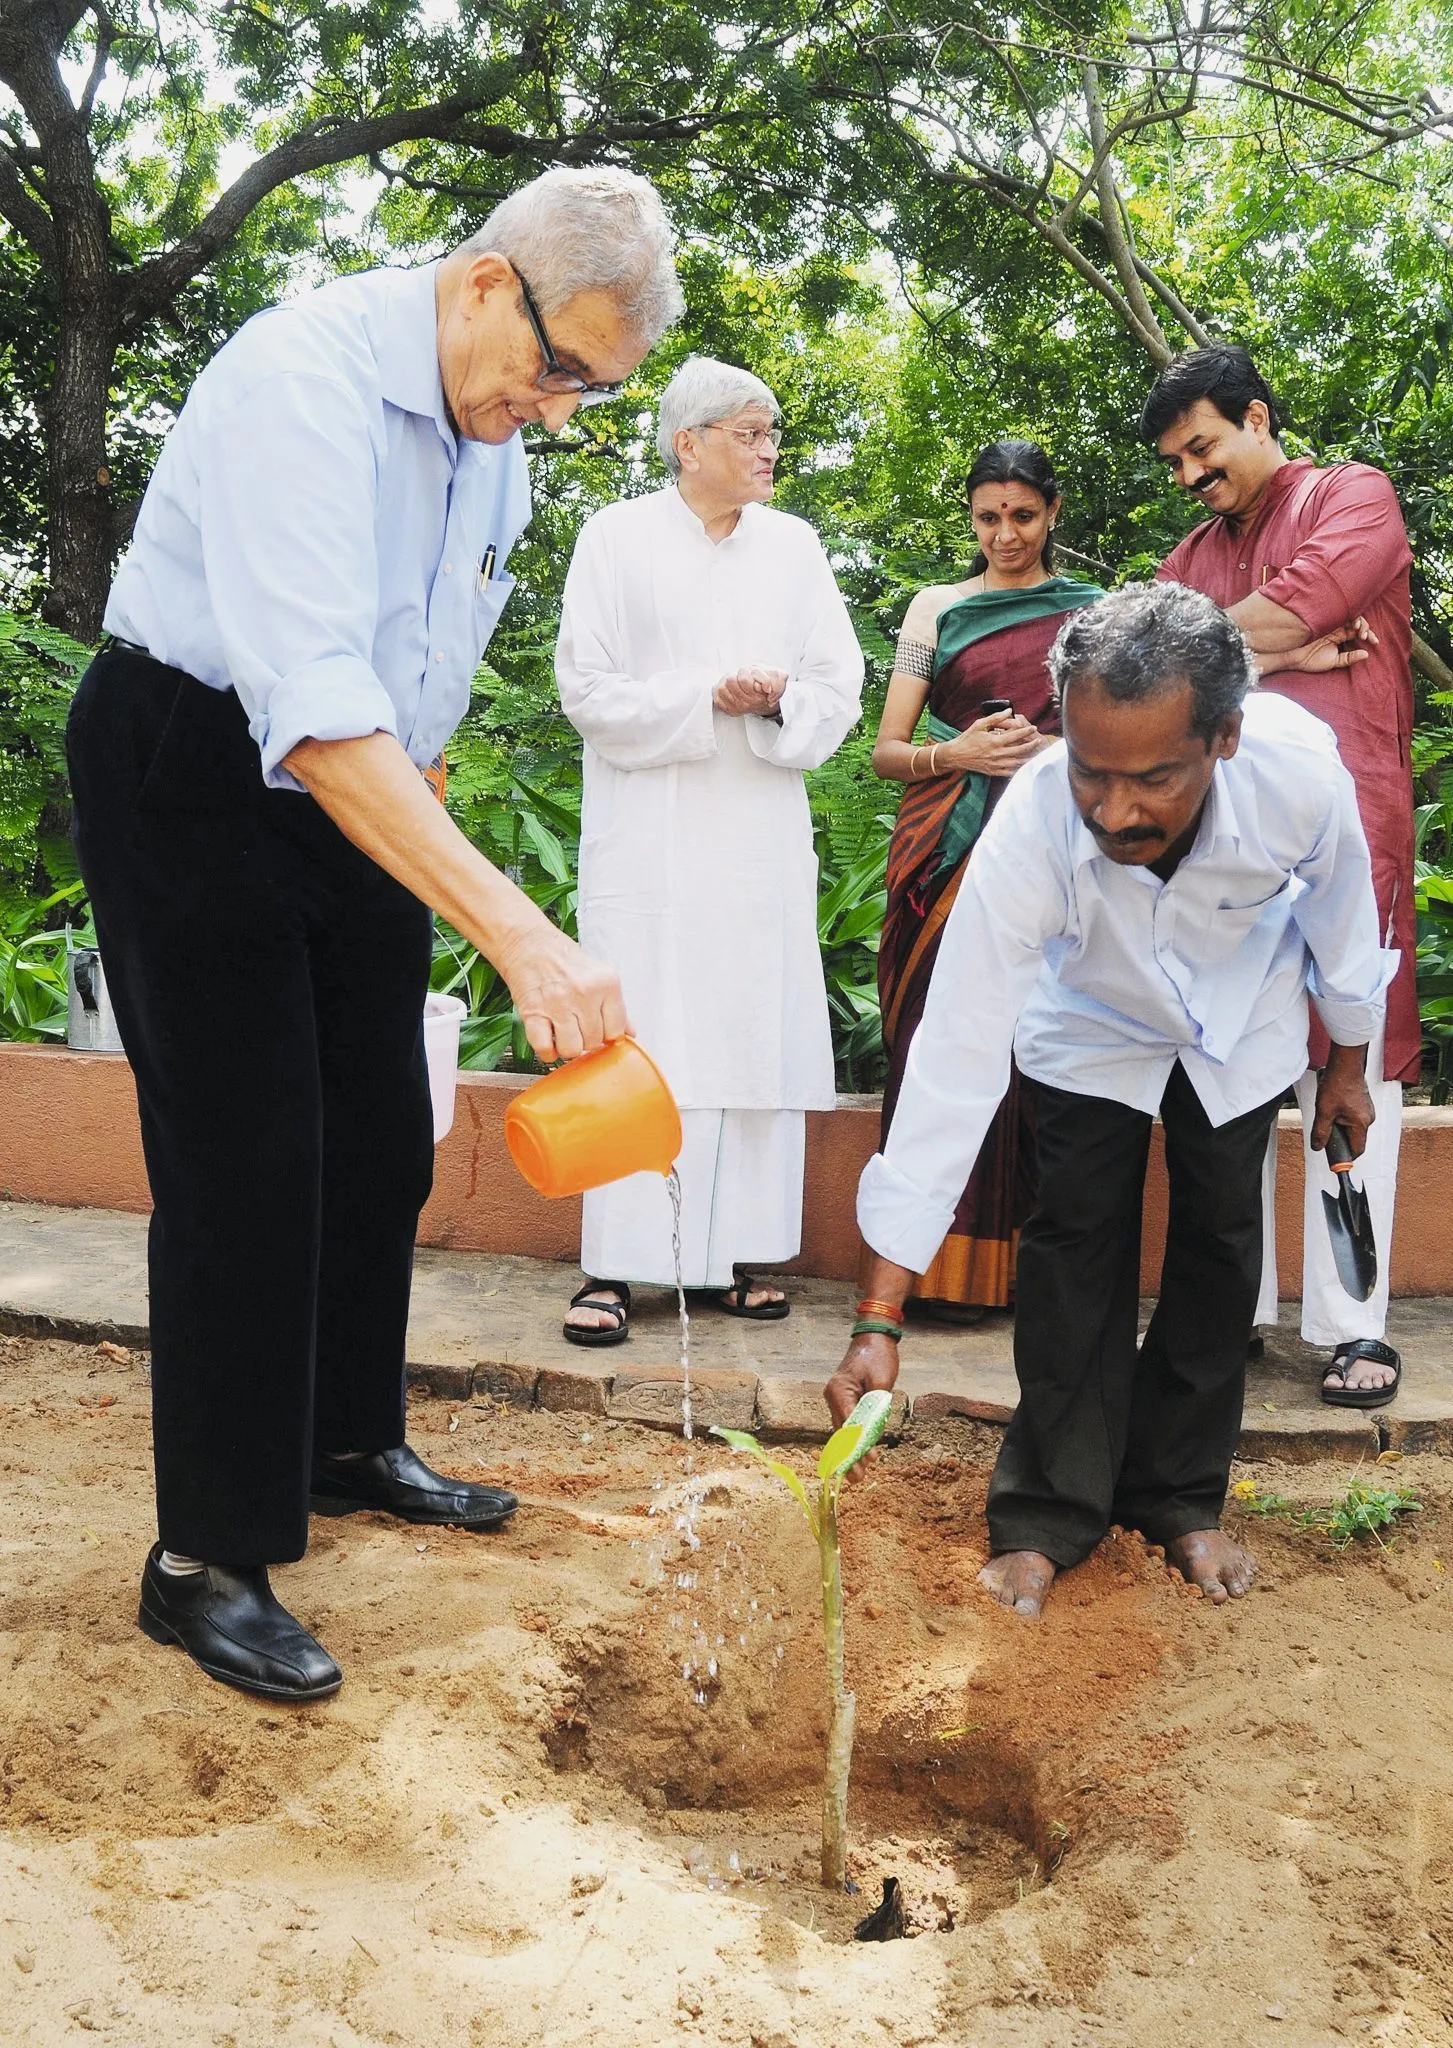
90	1020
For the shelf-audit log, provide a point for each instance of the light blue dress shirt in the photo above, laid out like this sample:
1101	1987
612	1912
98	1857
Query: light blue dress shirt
316	536
1099	977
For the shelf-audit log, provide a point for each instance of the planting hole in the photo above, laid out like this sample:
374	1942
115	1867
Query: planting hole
724	1769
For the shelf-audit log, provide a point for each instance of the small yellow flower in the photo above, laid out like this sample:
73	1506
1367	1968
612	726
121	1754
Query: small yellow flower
1244	1489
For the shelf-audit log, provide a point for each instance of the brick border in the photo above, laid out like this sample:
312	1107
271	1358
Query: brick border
778	1408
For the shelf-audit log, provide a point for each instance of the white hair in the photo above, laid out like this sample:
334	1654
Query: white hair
702	392
600	230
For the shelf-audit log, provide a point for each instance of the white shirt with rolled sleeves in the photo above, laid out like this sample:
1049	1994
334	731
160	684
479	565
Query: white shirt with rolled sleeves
698	880
316	536
1101	977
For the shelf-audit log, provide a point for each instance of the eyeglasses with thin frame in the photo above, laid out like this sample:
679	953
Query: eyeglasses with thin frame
553	374
749	437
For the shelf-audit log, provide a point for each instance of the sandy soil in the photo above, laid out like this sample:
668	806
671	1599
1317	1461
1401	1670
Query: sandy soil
537	1815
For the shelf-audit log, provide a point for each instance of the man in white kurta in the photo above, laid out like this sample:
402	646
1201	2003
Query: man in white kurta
707	659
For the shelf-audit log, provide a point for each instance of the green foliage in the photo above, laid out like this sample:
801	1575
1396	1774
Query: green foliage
851	902
33	967
39	670
1362	1509
1433	882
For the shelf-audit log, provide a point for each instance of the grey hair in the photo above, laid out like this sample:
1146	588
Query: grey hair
602	230
1148	638
702	392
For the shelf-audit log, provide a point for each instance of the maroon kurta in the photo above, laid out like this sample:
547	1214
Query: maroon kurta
1330	545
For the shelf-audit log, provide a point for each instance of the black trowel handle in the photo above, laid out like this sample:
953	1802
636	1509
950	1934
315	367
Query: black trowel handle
1339	1149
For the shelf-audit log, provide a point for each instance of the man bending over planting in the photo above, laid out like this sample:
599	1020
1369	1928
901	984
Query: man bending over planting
1141	925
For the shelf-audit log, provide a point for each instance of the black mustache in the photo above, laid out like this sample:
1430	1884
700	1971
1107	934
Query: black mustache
1217	476
1134	835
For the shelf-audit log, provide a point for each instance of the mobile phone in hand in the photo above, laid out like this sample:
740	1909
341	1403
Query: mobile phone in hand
992	706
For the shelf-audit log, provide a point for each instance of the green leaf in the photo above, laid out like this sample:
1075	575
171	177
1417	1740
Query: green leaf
856	1438
740	1440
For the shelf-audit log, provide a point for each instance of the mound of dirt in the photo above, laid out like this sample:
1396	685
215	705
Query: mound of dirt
569	1792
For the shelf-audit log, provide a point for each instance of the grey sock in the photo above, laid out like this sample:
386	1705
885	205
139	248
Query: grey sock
179	1567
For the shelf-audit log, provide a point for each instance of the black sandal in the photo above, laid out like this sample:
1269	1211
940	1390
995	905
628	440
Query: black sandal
576	1333
1346	1355
741	1287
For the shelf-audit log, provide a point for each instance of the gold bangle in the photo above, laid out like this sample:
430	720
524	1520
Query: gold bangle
913	764
933	762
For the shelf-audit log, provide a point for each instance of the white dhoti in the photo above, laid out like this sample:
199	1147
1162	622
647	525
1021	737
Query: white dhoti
741	1203
1329	1314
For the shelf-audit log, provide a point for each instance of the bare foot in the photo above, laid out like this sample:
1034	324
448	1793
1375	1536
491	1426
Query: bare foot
1019	1579
1210	1560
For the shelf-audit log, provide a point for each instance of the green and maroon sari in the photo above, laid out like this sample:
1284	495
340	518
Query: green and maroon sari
991	645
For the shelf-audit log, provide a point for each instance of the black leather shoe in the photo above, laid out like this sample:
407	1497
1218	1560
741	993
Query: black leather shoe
401	1484
229	1621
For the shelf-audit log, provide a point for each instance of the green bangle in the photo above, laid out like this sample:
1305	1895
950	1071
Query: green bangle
877	1326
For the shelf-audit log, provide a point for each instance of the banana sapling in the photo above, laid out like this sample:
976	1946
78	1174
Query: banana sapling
843	1449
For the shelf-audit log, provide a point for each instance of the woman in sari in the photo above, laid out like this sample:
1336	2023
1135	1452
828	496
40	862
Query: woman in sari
963	646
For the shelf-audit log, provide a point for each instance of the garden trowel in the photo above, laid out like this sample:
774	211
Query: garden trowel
1349	1225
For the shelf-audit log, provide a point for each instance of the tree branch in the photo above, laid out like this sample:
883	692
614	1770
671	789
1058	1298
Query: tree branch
1112	221
333	140
106	35
24	212
1431	664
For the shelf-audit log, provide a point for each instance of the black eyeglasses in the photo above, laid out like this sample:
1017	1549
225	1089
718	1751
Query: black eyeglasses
553	375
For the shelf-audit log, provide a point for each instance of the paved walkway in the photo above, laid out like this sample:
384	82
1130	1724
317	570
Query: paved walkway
488	1328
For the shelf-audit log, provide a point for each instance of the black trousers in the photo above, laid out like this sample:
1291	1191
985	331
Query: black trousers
1105	1432
269	981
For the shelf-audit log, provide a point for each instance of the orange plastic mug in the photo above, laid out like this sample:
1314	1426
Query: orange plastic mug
594	1120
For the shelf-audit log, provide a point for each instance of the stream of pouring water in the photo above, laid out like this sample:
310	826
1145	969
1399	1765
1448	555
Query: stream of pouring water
700	1666
673	1186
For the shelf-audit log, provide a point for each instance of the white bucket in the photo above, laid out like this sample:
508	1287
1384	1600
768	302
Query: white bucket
443	1016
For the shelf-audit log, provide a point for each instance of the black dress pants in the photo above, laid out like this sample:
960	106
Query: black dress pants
269	981
1105	1432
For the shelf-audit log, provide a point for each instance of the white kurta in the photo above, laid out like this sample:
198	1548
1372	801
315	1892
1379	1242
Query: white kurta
698	880
741	1203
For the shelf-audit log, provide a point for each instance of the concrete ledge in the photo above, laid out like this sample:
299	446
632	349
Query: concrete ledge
69	1136
486	1328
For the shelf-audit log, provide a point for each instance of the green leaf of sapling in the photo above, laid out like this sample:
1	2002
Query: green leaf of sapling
857	1436
741	1441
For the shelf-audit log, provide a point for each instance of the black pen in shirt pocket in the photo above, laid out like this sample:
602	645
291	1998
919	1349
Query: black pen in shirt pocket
486	566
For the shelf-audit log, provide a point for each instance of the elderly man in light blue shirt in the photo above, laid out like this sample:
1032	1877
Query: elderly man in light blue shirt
1141	925
316	569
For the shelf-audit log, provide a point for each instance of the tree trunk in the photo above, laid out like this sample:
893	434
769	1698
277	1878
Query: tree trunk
82	523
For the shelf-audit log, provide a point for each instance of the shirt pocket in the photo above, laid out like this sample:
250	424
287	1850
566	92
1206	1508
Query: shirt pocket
489	601
1236	915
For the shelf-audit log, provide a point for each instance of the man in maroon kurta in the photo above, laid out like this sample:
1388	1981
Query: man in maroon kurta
1313	566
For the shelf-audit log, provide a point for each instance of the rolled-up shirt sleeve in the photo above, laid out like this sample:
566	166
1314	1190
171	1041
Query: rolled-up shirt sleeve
287	495
1011	901
631	721
1354	551
823	698
1336	911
